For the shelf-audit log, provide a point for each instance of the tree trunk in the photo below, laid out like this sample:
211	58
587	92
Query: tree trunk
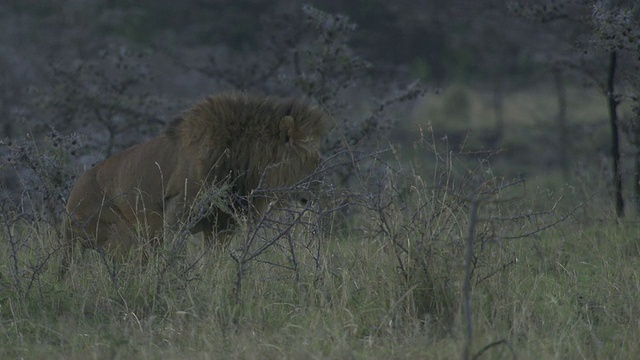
562	122
498	109
615	141
636	178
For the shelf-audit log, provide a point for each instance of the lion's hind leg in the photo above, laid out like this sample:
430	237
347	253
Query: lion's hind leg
109	236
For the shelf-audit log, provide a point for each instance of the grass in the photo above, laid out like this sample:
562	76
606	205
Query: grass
385	284
568	292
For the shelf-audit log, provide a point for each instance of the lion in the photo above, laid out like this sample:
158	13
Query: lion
250	143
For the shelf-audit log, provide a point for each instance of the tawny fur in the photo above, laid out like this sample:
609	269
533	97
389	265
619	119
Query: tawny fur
251	142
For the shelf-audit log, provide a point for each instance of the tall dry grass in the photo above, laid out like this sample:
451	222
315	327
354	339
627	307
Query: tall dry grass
375	271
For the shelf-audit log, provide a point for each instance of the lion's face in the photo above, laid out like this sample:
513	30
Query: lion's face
297	156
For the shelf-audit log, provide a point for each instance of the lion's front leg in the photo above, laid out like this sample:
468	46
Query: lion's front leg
207	231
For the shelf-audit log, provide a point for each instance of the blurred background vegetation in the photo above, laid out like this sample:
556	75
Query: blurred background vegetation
527	80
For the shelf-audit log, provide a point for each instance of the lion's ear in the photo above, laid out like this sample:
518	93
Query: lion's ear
287	129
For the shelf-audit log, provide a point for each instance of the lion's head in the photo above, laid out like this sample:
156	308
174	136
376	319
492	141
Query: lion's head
266	142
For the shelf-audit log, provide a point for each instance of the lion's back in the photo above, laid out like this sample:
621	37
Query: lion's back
141	171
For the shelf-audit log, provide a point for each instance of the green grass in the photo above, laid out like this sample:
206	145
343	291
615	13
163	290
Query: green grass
386	286
568	292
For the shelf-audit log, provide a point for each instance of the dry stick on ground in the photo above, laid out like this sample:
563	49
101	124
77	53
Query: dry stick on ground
255	244
562	218
180	244
466	288
248	252
245	255
469	263
11	217
477	197
475	203
495	343
9	221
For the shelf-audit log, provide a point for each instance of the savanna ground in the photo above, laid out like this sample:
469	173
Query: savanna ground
554	274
